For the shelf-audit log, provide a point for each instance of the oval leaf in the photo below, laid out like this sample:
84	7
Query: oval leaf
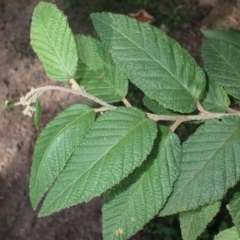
97	72
194	222
221	62
138	198
154	62
210	165
117	143
55	146
53	42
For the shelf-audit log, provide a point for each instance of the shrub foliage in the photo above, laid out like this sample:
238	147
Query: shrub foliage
135	158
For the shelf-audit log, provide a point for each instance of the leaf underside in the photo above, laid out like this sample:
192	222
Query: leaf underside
154	62
210	165
53	42
97	73
118	142
138	198
194	222
221	62
54	147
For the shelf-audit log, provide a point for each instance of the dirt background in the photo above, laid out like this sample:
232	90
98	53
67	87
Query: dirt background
20	70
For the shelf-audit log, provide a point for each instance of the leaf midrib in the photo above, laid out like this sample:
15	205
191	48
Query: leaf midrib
95	71
91	166
207	162
189	226
223	57
44	158
48	38
150	56
145	174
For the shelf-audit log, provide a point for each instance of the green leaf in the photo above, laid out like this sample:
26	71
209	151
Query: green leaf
155	107
216	98
117	143
221	62
138	198
228	234
234	210
55	146
231	36
194	222
37	114
53	42
154	62
210	165
97	72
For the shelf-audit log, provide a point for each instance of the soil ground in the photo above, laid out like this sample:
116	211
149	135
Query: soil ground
20	70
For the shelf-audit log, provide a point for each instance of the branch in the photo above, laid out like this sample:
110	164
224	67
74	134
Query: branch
204	115
73	91
34	94
187	118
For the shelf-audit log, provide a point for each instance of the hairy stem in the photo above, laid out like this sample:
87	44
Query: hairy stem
32	96
187	118
41	90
